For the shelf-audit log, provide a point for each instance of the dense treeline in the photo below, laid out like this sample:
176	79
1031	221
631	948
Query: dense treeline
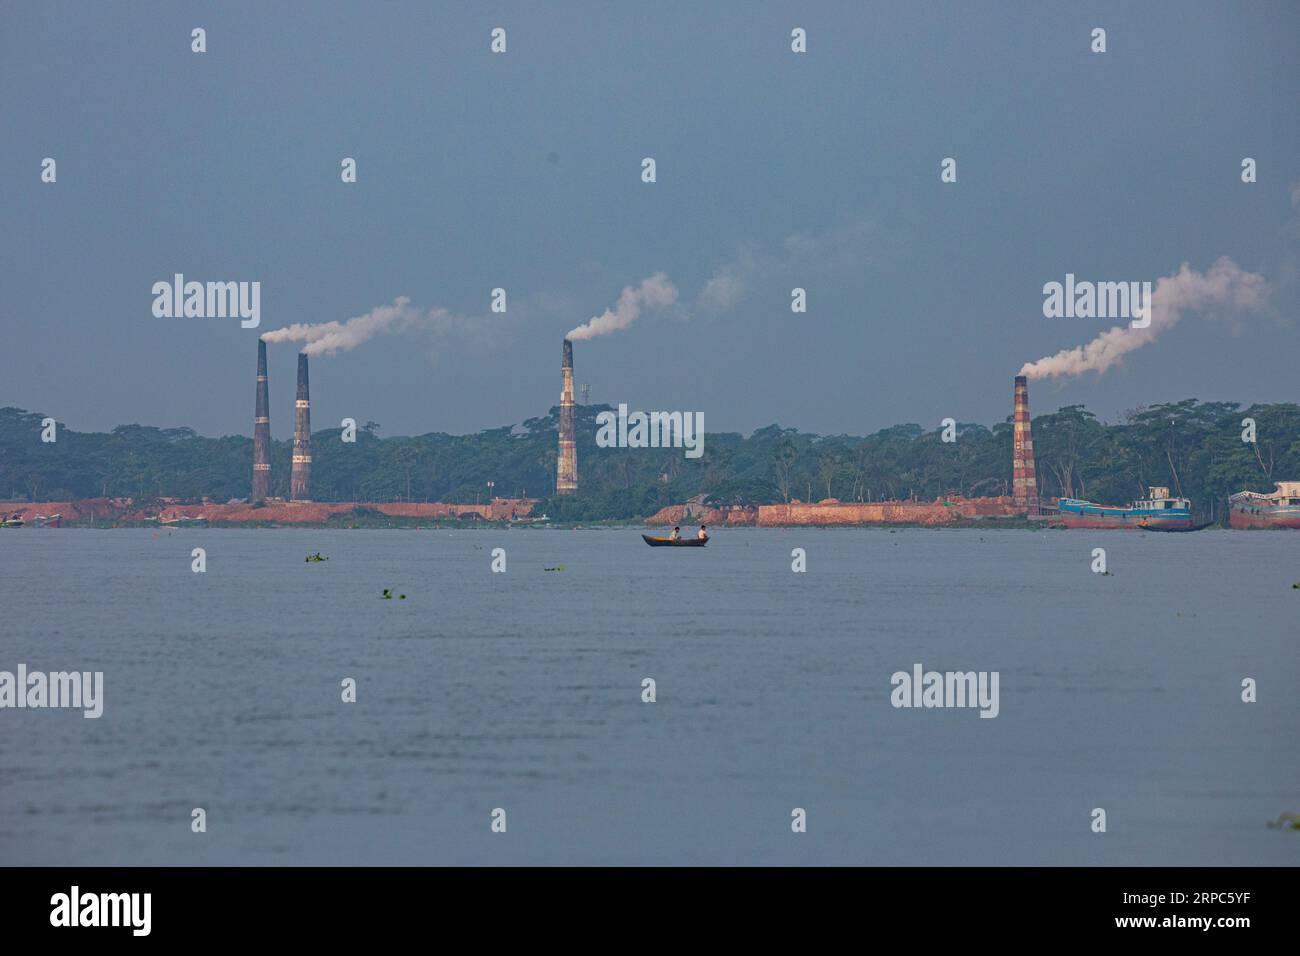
1195	448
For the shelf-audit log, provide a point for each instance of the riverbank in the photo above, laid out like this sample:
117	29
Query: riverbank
958	514
125	512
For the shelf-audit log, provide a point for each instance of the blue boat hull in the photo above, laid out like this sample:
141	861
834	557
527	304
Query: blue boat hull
1089	515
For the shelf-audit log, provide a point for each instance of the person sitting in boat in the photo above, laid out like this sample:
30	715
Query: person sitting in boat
676	535
703	535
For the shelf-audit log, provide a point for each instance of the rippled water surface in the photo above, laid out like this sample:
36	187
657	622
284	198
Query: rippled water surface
523	691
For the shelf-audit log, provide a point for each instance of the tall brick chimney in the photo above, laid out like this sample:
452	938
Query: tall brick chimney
261	432
300	477
1024	482
566	466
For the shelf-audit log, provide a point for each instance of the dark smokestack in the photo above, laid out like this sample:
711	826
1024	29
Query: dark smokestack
566	466
300	477
1024	482
261	431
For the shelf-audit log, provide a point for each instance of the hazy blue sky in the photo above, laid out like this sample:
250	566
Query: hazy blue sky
522	170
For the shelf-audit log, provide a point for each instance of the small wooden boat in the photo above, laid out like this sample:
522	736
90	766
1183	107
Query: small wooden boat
1196	527
50	521
670	543
14	522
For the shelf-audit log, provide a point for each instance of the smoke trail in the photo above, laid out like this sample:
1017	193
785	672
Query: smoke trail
725	288
328	338
1224	286
656	292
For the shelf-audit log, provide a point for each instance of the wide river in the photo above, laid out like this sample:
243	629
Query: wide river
523	691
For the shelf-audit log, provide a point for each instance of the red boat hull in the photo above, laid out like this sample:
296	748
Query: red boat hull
1263	519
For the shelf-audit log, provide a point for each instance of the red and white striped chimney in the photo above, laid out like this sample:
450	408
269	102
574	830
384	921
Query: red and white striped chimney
1024	482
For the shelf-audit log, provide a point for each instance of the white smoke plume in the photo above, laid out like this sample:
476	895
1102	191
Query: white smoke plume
329	338
842	248
727	286
1225	286
655	292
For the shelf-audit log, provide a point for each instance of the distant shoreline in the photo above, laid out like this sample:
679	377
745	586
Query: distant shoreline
398	524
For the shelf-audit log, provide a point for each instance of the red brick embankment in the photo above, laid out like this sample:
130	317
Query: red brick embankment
124	511
832	512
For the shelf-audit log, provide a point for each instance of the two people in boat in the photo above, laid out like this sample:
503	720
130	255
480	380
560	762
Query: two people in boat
677	534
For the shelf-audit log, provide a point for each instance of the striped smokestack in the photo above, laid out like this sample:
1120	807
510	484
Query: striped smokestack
1024	482
300	478
566	466
261	431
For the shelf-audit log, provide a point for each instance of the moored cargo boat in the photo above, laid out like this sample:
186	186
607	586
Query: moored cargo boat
1157	512
1252	509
